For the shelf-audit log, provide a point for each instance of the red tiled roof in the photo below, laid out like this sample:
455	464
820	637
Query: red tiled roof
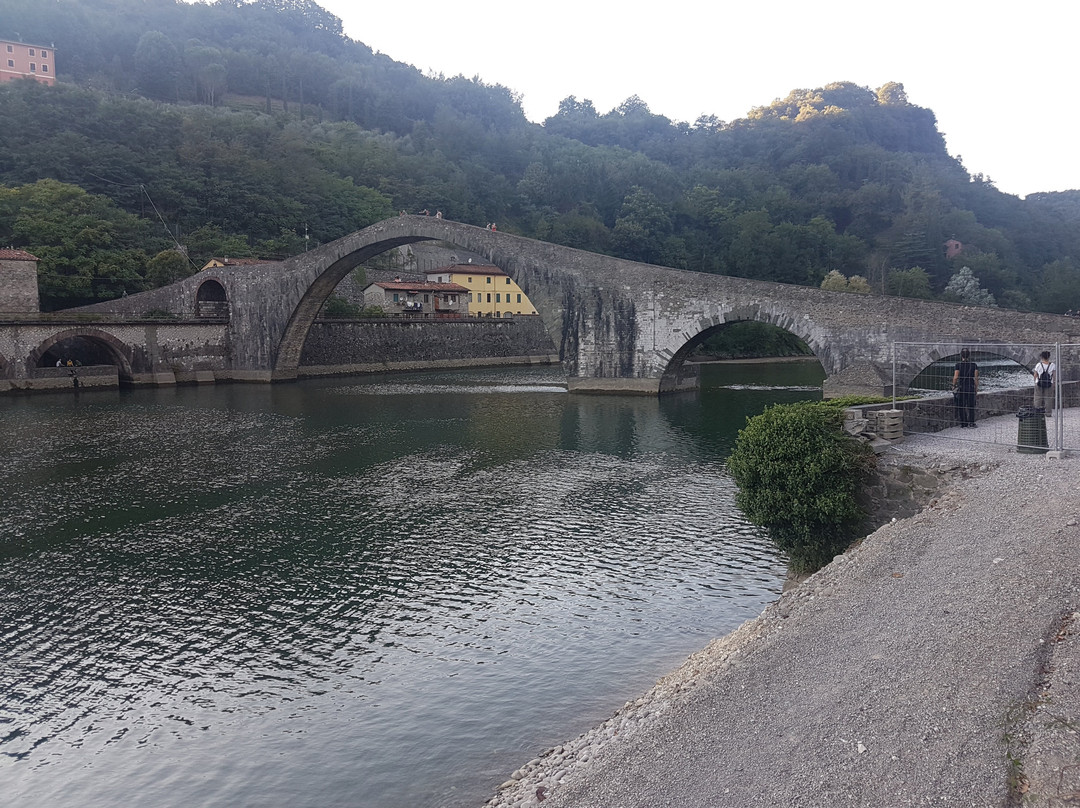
16	255
468	269
410	286
243	262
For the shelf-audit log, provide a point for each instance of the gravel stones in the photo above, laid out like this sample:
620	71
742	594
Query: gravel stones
937	662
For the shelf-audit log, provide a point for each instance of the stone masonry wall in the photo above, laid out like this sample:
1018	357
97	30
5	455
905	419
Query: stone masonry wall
19	287
344	343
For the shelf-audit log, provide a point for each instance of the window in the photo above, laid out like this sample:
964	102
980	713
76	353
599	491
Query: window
498	298
11	63
470	297
9	50
396	300
489	279
44	68
470	280
32	53
33	68
489	297
519	298
507	281
427	298
44	54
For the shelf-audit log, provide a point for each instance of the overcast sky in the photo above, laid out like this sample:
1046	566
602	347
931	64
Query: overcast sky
999	77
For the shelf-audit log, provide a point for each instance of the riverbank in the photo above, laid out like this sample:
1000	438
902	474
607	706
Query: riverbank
934	663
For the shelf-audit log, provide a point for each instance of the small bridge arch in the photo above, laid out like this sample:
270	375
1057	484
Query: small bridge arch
211	299
118	352
678	375
913	359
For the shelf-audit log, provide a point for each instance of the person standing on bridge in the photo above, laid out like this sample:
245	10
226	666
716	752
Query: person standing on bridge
1044	373
965	381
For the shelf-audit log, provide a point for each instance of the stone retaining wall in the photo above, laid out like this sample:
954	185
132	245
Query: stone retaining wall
371	345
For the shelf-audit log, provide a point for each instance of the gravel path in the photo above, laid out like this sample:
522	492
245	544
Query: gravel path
936	663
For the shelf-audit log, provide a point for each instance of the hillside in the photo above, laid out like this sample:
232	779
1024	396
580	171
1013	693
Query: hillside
259	129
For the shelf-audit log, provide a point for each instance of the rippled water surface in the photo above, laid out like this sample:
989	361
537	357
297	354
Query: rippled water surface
386	592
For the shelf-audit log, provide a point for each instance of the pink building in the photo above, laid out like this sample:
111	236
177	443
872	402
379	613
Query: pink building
18	60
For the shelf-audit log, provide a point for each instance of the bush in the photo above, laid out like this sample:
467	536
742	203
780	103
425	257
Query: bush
798	474
337	307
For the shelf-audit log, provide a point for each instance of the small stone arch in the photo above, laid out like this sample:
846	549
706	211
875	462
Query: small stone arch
114	348
921	357
677	376
211	300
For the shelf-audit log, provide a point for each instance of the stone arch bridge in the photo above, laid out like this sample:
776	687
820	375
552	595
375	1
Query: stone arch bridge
620	326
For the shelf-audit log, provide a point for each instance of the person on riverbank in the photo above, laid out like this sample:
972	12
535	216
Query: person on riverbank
965	382
1044	373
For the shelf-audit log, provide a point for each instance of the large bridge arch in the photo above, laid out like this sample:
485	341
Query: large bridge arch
287	361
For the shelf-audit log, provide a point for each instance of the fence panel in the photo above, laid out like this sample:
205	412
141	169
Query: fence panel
1002	406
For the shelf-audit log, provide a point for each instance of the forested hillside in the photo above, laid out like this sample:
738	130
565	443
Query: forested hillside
258	129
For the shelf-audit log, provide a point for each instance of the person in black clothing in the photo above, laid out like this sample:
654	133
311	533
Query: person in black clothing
965	382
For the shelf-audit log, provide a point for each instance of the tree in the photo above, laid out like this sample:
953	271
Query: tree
892	93
168	266
1059	290
88	249
834	282
914	282
859	285
157	66
963	287
642	227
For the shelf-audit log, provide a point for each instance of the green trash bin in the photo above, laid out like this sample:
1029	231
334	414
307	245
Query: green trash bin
1031	436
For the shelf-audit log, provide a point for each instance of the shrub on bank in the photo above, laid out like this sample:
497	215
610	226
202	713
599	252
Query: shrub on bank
798	473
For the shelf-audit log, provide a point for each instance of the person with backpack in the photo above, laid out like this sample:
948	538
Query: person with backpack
1044	373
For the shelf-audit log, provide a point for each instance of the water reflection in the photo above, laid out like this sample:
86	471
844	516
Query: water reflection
378	594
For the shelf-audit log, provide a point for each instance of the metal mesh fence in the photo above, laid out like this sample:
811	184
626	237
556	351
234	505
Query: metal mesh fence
987	393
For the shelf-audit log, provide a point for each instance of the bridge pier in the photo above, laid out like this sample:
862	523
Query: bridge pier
614	386
859	379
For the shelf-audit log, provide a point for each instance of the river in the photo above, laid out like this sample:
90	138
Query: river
383	592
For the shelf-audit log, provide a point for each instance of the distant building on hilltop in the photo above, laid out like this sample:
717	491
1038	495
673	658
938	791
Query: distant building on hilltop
492	293
21	61
215	263
953	248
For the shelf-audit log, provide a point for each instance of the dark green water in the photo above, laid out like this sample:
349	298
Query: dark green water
387	592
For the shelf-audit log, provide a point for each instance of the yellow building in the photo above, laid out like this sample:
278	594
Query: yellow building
492	293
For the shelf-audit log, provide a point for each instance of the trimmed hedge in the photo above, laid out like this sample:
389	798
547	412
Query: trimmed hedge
798	474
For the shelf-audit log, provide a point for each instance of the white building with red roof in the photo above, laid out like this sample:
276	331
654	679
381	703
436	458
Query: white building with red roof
417	298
